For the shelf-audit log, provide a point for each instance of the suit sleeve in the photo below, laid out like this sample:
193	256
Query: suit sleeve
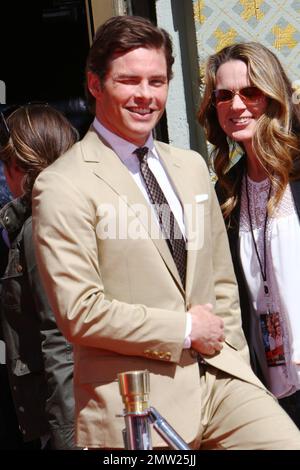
57	357
67	254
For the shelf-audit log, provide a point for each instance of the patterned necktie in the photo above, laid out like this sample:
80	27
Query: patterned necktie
167	221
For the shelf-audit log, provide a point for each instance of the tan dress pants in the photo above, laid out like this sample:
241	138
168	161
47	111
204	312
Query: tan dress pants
239	415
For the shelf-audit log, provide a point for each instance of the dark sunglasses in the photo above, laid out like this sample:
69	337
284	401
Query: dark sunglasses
4	129
249	95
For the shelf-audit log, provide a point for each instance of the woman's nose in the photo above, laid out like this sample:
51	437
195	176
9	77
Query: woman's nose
237	102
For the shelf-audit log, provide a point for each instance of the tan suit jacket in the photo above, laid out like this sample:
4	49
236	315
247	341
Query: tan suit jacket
120	299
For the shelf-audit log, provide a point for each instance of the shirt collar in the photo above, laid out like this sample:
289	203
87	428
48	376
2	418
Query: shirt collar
123	148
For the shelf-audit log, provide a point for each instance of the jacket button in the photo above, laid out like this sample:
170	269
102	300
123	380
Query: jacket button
19	268
21	408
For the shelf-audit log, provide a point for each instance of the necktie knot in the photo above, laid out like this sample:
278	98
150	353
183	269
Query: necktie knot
141	153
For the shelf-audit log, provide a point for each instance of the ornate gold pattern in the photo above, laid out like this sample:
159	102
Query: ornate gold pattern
251	8
225	38
284	36
274	23
198	11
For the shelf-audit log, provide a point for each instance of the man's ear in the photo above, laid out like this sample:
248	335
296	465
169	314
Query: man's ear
94	85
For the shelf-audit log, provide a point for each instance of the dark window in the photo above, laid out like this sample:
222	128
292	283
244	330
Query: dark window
45	48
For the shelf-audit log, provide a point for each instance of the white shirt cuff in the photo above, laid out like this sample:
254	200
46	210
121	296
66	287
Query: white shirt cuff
188	329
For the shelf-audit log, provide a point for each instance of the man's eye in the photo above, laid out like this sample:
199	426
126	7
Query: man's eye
128	81
157	82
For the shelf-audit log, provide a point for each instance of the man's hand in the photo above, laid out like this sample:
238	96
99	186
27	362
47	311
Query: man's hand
207	333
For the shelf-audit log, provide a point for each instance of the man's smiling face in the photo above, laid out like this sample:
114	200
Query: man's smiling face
133	96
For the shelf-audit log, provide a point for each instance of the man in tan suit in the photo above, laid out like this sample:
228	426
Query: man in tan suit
124	292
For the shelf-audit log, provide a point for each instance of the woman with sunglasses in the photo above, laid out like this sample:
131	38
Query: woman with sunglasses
39	359
249	101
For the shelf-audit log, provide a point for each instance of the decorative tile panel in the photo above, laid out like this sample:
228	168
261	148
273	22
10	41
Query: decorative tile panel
274	23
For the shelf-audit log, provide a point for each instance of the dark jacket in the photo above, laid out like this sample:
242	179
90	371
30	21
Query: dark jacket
233	235
39	359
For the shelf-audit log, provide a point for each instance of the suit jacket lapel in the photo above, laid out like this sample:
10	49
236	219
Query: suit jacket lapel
107	166
173	163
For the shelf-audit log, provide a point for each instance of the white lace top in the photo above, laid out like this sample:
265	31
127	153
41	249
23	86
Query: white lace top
283	276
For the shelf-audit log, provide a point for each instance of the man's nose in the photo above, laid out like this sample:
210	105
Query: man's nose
144	90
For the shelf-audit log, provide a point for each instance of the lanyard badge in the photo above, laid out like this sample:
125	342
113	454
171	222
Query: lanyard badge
270	321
